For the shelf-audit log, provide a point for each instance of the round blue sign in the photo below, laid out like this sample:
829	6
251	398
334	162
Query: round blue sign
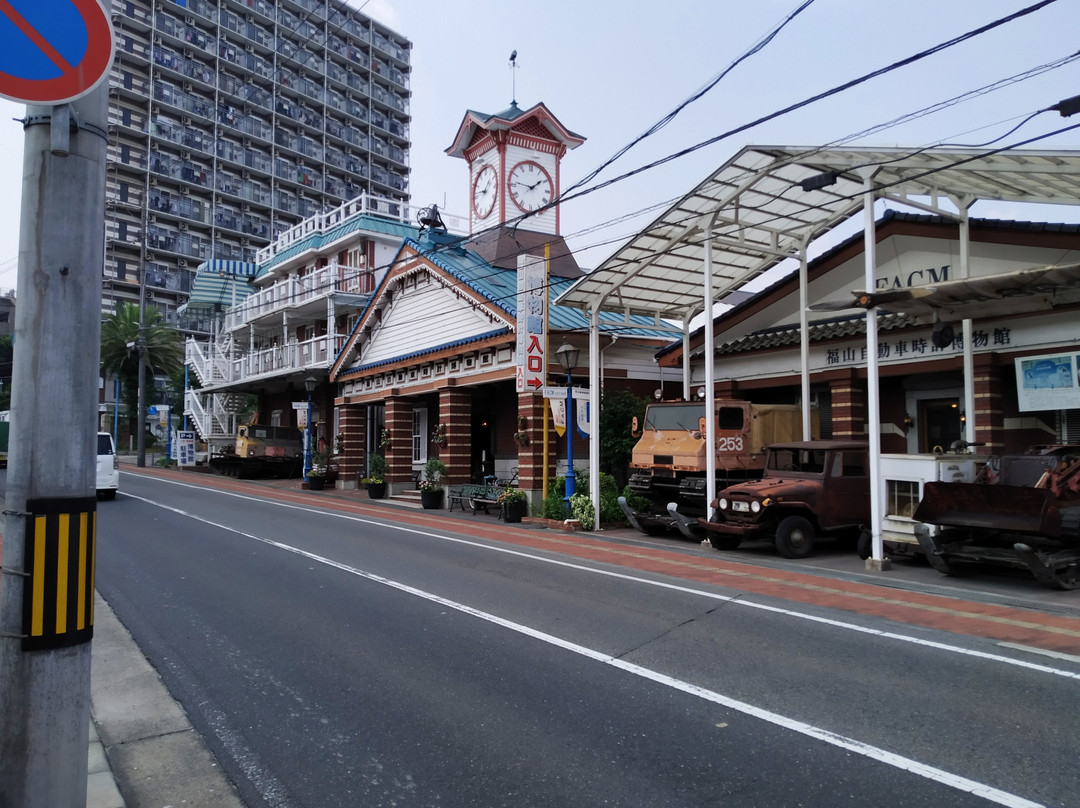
53	52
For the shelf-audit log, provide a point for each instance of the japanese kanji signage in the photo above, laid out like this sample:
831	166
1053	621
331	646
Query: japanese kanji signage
532	299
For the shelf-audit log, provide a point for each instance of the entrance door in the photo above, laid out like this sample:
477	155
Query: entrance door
940	424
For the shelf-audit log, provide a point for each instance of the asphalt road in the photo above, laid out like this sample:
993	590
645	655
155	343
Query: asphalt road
336	660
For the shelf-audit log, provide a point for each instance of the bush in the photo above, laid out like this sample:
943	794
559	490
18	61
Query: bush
555	508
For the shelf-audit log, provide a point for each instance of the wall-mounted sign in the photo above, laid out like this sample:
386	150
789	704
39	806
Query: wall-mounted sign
1048	382
532	298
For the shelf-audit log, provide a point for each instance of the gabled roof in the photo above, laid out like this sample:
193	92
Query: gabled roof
510	118
898	310
758	213
490	287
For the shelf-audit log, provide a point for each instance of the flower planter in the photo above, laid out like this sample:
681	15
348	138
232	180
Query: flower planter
431	499
315	483
376	490
515	511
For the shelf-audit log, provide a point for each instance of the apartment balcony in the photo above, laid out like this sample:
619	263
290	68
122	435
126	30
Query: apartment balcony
216	371
305	297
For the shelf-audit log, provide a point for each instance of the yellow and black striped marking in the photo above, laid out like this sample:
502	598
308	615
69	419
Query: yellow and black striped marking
58	600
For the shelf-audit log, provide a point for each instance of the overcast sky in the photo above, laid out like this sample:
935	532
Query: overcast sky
610	70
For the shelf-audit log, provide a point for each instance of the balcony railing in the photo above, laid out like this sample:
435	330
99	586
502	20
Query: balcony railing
295	291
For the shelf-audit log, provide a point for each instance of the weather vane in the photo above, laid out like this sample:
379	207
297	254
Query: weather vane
513	77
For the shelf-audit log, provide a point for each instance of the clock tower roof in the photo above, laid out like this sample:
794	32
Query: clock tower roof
535	119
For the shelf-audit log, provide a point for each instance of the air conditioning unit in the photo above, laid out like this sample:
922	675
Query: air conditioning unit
185	120
184	190
246	207
185	154
187	53
183	225
182	262
244	241
187	86
246	175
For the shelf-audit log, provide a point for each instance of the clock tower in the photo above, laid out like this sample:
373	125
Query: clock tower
514	162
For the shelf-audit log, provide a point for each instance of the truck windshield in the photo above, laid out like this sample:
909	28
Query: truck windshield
673	416
792	459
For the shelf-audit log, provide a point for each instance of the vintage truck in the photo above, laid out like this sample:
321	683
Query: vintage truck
1020	511
262	451
809	489
667	465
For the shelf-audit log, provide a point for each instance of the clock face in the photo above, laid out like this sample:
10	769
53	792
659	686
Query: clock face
485	189
530	186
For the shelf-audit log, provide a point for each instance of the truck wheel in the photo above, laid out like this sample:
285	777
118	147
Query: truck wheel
721	542
865	546
795	537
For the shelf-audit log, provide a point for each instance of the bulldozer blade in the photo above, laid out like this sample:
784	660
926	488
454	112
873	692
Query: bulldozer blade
1045	573
999	508
932	552
686	525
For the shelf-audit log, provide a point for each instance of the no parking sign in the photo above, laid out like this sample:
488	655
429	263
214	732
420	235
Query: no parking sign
53	52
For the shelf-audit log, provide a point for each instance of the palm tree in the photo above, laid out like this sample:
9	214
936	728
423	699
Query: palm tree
163	349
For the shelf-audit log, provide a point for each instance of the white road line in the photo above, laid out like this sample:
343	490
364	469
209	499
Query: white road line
849	744
736	601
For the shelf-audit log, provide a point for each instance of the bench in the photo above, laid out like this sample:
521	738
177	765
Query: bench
478	497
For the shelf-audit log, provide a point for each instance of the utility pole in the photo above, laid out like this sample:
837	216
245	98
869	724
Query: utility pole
47	580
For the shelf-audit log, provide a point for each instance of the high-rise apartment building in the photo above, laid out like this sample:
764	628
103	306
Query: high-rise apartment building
232	121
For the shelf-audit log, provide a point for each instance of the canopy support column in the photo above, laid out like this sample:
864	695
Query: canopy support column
877	560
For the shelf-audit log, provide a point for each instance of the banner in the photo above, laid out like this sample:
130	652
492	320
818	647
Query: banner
558	414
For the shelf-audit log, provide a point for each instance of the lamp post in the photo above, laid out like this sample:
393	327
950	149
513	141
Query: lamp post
309	385
568	356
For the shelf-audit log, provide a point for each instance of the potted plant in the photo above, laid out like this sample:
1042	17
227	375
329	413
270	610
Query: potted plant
375	482
431	490
316	477
514	503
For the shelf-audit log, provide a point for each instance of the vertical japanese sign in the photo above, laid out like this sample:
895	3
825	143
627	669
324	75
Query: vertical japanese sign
185	448
532	300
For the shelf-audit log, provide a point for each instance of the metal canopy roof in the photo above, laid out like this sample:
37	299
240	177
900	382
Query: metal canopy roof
760	215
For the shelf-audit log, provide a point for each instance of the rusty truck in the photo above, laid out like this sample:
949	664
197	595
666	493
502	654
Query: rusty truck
667	466
809	489
1021	511
262	451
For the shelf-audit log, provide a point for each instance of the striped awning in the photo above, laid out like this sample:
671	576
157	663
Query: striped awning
220	283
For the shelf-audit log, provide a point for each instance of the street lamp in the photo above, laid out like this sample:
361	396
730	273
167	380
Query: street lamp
309	385
568	356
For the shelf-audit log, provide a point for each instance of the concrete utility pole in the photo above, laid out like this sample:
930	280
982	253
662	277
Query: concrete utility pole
47	585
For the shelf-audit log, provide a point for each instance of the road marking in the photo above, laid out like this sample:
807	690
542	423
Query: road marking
849	744
1043	651
733	600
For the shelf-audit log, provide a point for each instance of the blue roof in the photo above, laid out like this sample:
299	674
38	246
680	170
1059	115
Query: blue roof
314	241
499	286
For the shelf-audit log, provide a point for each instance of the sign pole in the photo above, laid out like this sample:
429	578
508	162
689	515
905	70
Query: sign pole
47	587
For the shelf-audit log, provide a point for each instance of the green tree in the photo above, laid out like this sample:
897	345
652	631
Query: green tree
164	352
617	411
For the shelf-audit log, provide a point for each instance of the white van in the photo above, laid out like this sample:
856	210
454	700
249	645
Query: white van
108	467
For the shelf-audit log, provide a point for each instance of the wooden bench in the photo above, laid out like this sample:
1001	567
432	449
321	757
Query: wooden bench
478	497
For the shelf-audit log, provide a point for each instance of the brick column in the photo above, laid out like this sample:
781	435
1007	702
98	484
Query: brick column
399	415
455	411
531	454
849	407
989	412
351	462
